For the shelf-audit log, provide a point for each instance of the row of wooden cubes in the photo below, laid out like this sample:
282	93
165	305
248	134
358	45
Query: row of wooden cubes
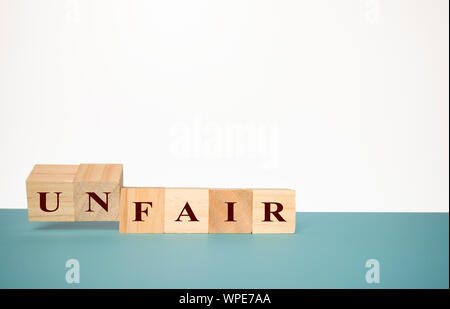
94	192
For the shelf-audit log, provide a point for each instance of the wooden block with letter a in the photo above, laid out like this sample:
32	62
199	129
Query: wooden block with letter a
273	211
230	211
50	193
97	192
186	210
142	210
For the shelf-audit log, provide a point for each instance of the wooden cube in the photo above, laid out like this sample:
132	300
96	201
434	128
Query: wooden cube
142	210
186	210
97	192
273	211
50	193
230	211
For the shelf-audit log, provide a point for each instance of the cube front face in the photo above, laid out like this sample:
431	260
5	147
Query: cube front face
50	193
230	211
142	210
273	211
186	210
97	192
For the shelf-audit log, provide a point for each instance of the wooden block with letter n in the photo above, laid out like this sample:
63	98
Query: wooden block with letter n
50	193
230	211
186	210
142	210
97	192
273	211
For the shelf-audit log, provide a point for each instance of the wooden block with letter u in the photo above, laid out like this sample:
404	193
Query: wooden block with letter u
50	193
86	192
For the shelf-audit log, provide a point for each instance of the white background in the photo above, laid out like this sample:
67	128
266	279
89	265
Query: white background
345	101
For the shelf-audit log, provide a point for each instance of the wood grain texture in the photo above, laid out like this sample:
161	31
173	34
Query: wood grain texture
286	198
51	179
99	179
151	217
218	211
175	203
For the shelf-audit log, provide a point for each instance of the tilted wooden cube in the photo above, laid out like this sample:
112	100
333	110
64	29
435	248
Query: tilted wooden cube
97	192
50	193
86	192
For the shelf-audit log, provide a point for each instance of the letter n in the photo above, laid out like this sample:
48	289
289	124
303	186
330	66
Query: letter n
99	201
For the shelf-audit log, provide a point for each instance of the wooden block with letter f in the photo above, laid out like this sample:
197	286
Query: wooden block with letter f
142	210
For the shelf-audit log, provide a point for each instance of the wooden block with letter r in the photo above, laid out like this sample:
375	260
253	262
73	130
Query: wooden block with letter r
142	210
50	192
97	192
230	211
273	211
186	210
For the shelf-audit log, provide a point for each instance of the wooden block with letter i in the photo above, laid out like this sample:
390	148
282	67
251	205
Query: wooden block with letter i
97	192
230	211
142	210
273	211
186	210
50	193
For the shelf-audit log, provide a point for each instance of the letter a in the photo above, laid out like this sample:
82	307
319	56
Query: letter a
189	211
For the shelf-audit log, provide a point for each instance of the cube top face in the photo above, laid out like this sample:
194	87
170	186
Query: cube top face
273	211
142	210
230	211
186	210
100	173
45	173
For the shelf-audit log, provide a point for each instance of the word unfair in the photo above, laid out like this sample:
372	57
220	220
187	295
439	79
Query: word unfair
94	192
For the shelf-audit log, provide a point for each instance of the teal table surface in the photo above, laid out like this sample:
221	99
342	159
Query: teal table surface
328	250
